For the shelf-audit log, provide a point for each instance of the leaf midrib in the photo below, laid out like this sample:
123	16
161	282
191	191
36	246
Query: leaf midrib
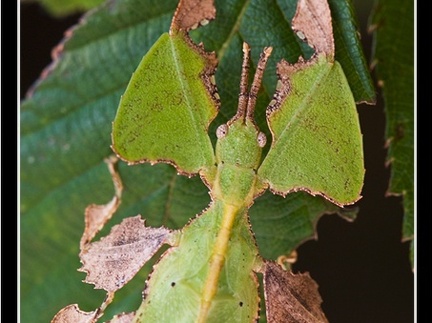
235	29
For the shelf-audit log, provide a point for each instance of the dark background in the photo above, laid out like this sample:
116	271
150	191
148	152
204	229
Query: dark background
362	267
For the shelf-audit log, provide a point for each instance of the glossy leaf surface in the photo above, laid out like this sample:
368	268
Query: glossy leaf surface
67	7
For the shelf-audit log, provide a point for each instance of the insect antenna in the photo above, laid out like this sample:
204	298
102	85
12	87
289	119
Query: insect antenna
244	93
247	99
256	84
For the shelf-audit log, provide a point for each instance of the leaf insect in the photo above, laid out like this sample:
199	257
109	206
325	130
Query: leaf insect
209	273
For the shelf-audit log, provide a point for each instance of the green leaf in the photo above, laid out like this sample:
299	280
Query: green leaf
349	50
65	136
282	224
393	22
60	8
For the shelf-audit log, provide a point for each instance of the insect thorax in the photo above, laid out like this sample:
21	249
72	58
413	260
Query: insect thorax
238	154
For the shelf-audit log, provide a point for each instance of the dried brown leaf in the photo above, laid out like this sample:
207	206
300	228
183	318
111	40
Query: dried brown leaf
114	260
97	215
95	218
122	318
312	21
291	297
72	313
192	13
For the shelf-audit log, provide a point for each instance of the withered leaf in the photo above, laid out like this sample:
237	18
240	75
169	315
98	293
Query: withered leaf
97	215
72	313
114	260
192	13
291	298
122	318
95	218
312	22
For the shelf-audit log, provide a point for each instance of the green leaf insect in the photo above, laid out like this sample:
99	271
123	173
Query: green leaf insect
209	272
317	142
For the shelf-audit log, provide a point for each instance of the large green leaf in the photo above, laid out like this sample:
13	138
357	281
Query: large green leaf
60	8
349	51
393	22
66	134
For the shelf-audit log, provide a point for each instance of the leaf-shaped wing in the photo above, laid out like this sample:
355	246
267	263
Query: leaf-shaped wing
317	143
167	107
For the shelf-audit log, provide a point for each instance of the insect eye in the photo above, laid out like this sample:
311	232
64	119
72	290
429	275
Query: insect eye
261	139
221	131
